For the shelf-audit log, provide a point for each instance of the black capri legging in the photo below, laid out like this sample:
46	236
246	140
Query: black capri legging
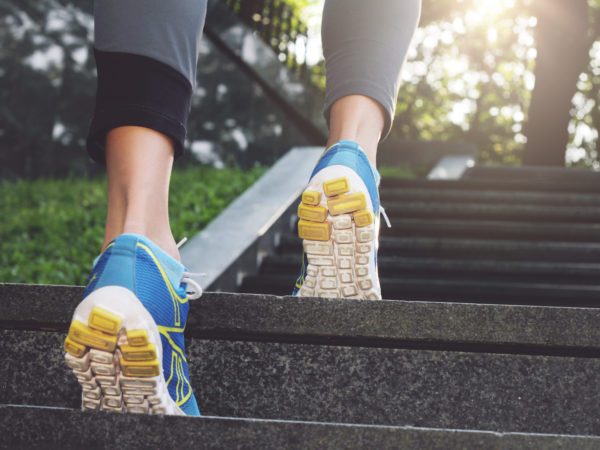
147	50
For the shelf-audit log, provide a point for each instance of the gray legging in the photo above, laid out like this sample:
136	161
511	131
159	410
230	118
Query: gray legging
147	50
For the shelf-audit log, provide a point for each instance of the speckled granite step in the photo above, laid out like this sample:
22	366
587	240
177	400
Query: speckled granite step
530	237
518	184
536	174
435	365
499	197
499	229
497	249
27	427
457	289
459	269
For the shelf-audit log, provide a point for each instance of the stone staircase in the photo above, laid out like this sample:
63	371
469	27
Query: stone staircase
273	372
497	235
493	342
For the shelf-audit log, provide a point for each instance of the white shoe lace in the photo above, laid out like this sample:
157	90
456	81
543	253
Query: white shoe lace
196	292
387	221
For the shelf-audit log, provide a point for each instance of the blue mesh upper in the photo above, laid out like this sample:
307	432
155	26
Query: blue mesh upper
97	272
128	262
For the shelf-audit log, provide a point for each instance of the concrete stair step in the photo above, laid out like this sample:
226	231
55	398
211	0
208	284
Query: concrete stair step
454	195
493	229
494	249
238	316
454	290
458	269
63	428
534	174
494	184
488	229
394	363
492	211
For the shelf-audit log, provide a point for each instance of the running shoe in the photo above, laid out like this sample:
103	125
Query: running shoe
125	344
339	226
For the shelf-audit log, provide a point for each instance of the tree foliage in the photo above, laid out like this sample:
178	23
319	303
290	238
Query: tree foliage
471	77
468	77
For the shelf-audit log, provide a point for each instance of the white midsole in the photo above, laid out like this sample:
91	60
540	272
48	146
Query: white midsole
356	185
135	316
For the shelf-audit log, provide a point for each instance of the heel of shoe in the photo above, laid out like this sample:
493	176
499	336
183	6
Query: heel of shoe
339	239
114	349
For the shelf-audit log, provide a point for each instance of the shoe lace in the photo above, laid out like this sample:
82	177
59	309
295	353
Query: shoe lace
387	220
196	292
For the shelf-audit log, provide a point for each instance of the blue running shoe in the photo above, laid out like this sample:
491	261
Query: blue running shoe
125	343
339	226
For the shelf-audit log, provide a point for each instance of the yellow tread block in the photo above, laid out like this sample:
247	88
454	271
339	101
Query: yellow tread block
103	320
314	213
346	203
140	368
74	348
363	218
312	198
138	338
314	231
82	334
336	186
131	353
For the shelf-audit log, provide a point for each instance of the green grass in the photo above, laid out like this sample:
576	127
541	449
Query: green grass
402	171
51	230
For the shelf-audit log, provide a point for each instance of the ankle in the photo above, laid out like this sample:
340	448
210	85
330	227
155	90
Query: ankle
368	146
162	238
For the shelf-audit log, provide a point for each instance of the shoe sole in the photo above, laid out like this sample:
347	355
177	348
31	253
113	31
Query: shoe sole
338	235
114	349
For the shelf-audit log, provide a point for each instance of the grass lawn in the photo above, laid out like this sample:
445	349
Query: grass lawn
51	230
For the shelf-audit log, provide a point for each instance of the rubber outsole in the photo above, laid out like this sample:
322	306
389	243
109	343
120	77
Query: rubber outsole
114	350
339	238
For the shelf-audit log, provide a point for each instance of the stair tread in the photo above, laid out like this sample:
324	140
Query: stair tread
334	382
507	249
398	266
459	195
496	229
214	314
492	185
353	361
520	212
450	289
66	428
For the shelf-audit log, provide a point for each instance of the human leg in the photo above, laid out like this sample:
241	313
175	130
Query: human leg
125	343
365	45
357	118
139	162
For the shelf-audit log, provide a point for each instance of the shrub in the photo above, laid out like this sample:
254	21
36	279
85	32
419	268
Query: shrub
51	230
